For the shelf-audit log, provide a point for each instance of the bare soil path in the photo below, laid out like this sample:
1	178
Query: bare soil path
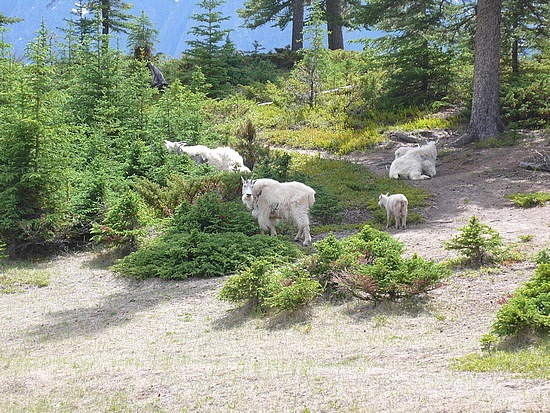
92	342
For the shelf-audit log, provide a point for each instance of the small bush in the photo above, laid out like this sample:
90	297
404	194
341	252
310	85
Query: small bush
529	200
124	222
327	208
271	286
528	310
211	215
477	242
185	189
197	254
543	257
369	266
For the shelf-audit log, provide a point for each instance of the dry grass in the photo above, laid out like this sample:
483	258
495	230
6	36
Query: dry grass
93	342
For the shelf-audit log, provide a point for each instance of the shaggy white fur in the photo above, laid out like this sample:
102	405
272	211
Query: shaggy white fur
271	201
397	206
223	158
414	162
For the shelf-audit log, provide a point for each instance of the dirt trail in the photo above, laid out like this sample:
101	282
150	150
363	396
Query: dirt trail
93	342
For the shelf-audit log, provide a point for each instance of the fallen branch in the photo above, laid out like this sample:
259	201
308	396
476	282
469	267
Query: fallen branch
535	166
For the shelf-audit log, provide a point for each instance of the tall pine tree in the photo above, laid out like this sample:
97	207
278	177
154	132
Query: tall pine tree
211	48
33	150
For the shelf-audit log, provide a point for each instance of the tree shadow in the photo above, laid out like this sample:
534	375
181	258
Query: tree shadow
280	321
115	309
361	311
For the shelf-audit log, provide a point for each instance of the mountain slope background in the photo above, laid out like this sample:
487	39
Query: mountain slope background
172	18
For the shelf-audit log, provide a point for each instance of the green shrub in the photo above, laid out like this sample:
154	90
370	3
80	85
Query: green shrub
211	215
271	286
528	310
124	222
525	98
369	266
275	165
477	242
327	208
529	200
186	189
543	257
197	254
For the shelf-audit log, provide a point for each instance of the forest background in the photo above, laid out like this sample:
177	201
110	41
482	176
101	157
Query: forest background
81	146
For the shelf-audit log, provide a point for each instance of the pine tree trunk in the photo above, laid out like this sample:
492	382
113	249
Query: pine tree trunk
485	119
297	25
334	25
105	18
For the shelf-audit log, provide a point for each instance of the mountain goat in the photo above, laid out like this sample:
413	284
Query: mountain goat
271	201
223	158
396	205
414	163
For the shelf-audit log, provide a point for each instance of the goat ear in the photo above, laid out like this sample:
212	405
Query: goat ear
387	193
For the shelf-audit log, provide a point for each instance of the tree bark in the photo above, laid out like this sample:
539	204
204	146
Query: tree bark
297	25
105	16
334	25
485	119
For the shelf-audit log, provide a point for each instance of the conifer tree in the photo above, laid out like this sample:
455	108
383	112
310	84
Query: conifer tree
33	153
211	48
312	69
257	13
142	37
414	50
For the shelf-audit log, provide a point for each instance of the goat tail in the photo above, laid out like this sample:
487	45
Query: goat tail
311	199
403	206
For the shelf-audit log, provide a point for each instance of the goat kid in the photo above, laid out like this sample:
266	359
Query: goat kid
396	205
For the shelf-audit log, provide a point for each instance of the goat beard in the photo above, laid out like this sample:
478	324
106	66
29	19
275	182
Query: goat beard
248	202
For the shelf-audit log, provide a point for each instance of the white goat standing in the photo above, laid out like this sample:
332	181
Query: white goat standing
414	163
396	205
223	158
271	201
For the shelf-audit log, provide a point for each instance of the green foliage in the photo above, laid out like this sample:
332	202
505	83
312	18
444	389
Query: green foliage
207	52
186	189
210	215
477	242
33	153
528	310
196	254
248	145
533	362
369	266
543	256
142	36
124	222
525	96
178	115
271	286
15	280
528	200
275	165
327	208
414	49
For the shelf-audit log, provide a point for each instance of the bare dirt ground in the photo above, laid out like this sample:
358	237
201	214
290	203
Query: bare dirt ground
92	342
